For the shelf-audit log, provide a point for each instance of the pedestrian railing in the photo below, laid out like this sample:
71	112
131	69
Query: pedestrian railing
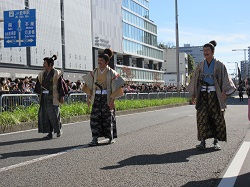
76	97
9	102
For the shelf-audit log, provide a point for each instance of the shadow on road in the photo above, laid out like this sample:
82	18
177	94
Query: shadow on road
37	152
236	101
204	183
174	157
241	181
21	141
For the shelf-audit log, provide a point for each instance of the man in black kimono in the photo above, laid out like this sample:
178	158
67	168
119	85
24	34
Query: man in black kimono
52	89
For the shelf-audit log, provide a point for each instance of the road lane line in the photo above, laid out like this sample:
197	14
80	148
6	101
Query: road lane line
5	134
234	168
16	132
44	157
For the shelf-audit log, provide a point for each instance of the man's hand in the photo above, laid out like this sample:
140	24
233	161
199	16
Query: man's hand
88	101
193	100
61	100
112	104
223	96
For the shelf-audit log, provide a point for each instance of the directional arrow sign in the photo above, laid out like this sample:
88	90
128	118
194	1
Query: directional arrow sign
20	28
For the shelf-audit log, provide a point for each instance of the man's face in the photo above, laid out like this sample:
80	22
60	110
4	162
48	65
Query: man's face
45	65
208	53
101	63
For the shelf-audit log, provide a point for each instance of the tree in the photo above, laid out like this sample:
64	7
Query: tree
156	78
190	64
169	45
127	73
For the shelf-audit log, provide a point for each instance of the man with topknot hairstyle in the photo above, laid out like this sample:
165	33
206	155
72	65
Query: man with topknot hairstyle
103	85
210	86
51	88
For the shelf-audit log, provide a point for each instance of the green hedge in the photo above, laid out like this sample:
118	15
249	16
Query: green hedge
29	114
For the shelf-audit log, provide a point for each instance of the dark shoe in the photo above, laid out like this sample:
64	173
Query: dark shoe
94	142
111	141
48	137
202	145
59	134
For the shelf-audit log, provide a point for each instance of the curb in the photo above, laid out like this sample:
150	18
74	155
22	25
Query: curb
32	125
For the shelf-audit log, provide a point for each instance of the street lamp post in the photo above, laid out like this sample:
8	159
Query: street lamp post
236	68
245	60
177	48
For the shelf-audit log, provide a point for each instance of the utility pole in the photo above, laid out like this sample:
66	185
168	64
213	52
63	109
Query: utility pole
177	48
245	60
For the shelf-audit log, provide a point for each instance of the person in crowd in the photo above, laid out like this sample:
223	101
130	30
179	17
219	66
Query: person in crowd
14	88
4	88
21	88
17	80
52	89
78	86
68	85
240	89
103	85
248	91
209	88
73	87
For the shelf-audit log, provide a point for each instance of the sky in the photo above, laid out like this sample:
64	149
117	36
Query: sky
225	21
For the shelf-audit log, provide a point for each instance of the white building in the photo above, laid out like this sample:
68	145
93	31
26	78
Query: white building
62	28
78	30
170	67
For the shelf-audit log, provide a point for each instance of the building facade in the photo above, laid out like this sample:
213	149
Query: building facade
62	28
140	42
78	30
195	51
125	27
170	68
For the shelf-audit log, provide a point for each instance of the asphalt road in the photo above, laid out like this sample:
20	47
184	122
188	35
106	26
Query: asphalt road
154	149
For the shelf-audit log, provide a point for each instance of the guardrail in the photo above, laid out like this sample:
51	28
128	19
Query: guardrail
75	97
9	102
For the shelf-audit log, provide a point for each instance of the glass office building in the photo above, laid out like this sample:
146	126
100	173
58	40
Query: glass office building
78	30
126	28
139	33
140	41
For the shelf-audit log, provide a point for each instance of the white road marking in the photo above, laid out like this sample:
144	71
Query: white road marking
233	170
4	134
44	157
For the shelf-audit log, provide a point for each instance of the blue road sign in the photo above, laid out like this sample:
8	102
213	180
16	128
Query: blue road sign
20	28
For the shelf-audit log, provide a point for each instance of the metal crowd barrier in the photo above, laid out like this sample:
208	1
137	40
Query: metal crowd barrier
76	97
8	102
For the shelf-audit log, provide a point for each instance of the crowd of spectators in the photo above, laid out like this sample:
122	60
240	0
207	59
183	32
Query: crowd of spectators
27	85
147	88
18	86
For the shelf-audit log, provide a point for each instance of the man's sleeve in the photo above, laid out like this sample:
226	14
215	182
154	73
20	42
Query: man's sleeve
38	88
62	87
